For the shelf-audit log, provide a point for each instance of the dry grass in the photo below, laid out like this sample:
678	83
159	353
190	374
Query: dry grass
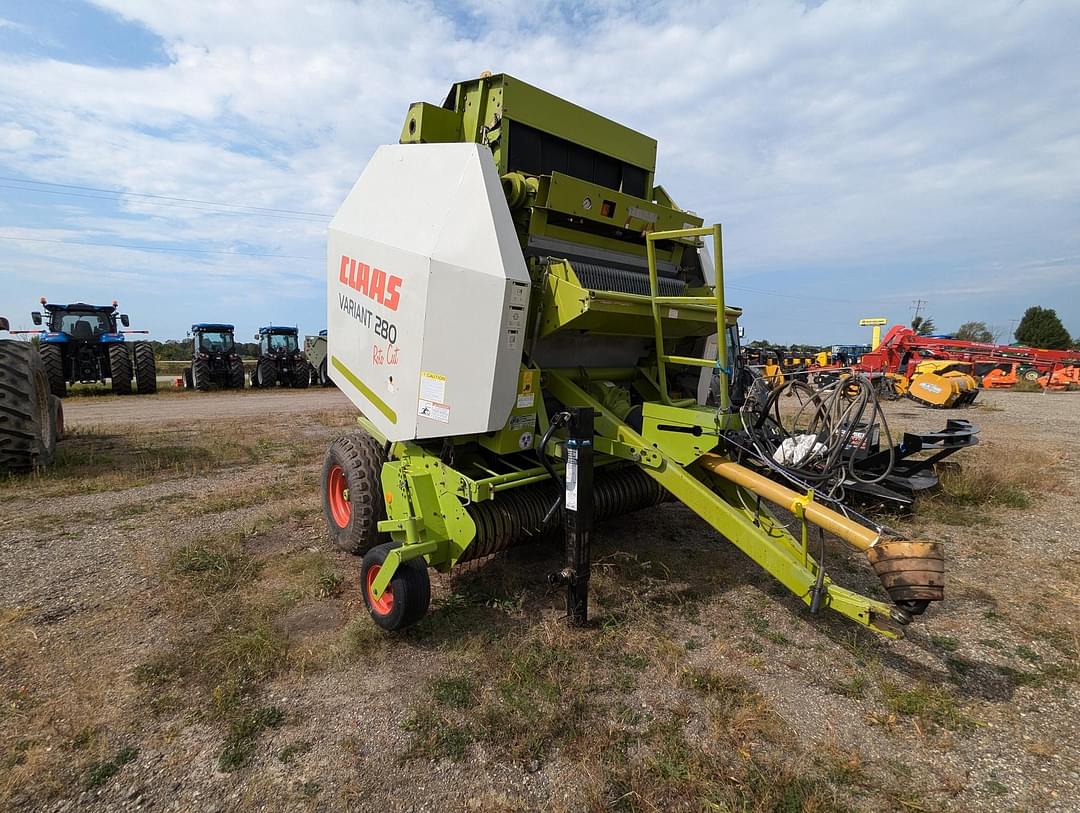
982	484
96	459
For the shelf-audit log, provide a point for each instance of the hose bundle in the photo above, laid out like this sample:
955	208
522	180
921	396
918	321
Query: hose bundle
817	444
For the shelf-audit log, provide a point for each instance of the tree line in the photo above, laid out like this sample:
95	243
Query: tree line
1040	327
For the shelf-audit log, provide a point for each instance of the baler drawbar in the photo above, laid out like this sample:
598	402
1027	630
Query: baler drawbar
537	336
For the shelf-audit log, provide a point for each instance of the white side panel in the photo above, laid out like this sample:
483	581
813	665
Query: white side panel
433	349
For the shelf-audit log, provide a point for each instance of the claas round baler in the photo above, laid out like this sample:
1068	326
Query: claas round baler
536	338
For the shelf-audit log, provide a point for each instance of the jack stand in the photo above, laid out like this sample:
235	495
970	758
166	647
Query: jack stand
578	508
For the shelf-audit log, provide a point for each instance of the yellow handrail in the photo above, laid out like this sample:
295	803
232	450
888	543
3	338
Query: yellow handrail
657	301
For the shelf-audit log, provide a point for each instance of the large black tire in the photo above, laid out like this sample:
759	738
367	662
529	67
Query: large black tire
120	369
324	376
406	598
266	373
27	439
236	374
352	492
145	368
52	357
200	374
57	407
301	376
188	383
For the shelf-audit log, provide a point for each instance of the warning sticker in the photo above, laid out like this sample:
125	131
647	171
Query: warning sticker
571	479
519	422
513	339
527	381
437	412
672	313
432	387
526	400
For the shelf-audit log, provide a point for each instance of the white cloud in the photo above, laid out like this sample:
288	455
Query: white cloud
875	149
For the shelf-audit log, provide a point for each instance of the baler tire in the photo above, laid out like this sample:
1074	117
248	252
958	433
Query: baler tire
120	368
200	375
236	374
324	378
27	439
407	597
353	464
1030	375
52	357
145	368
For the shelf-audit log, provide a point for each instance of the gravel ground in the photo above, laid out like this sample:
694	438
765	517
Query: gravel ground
85	599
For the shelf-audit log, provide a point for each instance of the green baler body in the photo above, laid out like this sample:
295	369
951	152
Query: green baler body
621	305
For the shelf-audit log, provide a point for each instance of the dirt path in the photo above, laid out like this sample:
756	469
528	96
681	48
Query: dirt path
105	410
177	634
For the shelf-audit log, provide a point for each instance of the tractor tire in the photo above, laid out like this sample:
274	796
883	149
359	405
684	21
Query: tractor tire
200	375
236	374
301	377
266	373
188	383
352	492
120	369
27	439
52	357
57	407
405	600
145	368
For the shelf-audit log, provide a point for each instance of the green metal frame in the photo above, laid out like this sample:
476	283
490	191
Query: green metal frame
427	499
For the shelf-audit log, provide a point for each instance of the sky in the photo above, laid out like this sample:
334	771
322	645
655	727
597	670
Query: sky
185	158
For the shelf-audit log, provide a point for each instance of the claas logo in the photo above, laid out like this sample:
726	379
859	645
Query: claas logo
374	283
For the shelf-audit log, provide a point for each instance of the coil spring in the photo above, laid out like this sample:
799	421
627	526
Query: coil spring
517	516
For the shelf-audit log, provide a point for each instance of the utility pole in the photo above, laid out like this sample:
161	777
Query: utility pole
918	305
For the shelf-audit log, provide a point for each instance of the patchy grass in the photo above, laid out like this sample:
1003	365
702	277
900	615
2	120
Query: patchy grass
243	736
933	706
214	566
102	772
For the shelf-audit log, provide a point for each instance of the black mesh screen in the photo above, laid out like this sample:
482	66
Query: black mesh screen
538	153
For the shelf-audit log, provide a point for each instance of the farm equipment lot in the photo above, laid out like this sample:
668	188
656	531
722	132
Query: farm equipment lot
177	633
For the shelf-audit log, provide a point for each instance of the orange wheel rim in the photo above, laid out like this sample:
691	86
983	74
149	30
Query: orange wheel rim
337	489
385	604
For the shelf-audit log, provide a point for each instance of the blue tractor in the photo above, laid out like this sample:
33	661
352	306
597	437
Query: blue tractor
281	361
85	344
214	358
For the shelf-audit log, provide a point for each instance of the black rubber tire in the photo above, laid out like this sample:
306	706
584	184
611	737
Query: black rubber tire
301	377
120	369
145	368
410	586
188	383
1030	375
324	376
266	373
57	407
200	375
27	439
236	374
52	357
361	459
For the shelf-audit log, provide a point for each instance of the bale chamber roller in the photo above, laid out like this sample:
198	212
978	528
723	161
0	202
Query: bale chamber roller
525	320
